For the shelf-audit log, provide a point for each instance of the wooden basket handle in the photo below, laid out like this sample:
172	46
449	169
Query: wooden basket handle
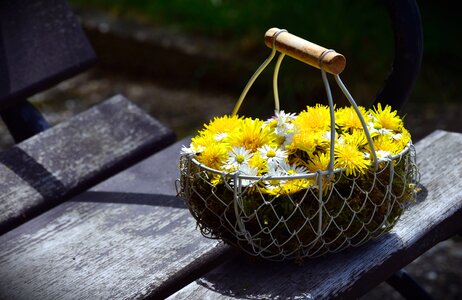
305	51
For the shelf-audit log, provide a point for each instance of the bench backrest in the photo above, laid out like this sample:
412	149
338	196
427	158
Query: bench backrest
41	44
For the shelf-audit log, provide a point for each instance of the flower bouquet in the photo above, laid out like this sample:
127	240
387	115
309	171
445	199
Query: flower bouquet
299	185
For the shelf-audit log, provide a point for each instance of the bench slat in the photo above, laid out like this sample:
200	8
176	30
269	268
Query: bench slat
128	237
41	44
435	217
73	156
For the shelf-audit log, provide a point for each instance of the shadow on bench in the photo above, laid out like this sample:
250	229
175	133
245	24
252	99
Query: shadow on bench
41	45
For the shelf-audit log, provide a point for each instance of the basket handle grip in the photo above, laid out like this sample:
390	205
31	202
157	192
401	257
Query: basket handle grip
305	51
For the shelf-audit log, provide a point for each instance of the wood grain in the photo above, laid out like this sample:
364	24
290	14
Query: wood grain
435	217
305	51
73	156
130	237
41	44
126	238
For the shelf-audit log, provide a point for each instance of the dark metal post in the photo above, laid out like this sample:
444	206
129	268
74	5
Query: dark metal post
407	286
23	120
408	40
408	50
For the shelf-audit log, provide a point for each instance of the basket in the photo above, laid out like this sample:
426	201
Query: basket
308	214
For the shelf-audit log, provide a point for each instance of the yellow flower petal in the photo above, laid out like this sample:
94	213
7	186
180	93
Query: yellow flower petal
315	118
386	118
252	134
349	157
214	155
347	119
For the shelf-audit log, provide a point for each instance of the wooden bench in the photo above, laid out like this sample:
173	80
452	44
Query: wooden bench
41	44
433	218
129	236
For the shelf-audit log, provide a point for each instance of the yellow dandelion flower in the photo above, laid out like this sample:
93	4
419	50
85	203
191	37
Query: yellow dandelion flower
318	161
349	157
308	141
216	179
288	187
387	144
273	123
347	119
315	118
214	155
203	140
295	159
252	134
386	118
256	161
223	124
356	138
405	138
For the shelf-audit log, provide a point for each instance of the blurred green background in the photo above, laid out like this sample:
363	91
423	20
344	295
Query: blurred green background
185	62
358	29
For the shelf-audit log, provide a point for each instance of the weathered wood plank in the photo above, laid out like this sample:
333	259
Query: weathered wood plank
128	237
435	217
73	156
41	44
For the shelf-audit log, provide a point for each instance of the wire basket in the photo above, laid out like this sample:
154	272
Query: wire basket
327	211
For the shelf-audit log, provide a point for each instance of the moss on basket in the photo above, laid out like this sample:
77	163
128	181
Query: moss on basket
262	197
289	225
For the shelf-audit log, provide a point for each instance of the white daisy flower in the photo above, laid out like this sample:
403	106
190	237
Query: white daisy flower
383	155
327	135
247	170
273	154
284	129
282	122
238	156
382	131
273	171
220	136
340	140
397	136
288	138
282	117
288	169
191	150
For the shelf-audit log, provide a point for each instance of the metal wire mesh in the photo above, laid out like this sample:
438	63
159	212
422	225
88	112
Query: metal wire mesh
329	214
321	212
